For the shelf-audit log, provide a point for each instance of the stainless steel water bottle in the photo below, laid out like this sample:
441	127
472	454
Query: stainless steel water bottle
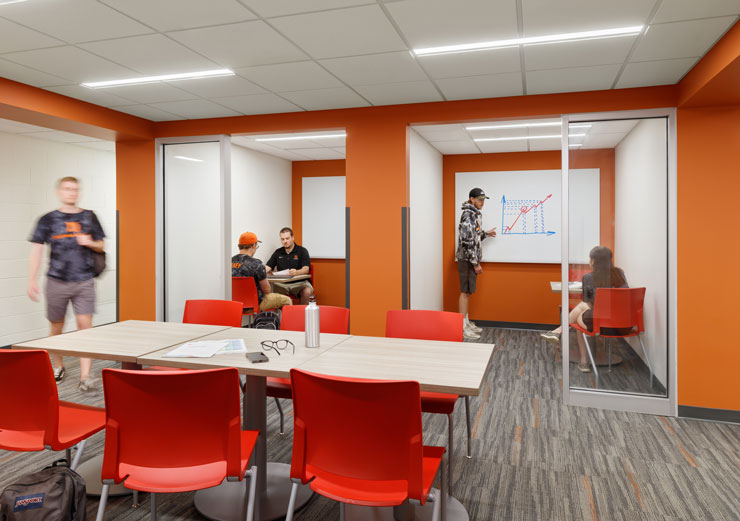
312	323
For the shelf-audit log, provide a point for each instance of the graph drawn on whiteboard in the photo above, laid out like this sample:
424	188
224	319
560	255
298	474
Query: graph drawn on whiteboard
524	216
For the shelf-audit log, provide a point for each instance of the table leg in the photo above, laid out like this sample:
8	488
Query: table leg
130	366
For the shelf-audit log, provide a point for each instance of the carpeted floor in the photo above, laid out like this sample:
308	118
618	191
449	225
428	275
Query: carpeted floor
533	457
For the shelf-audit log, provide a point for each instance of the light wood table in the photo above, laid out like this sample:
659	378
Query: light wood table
225	502
294	278
574	287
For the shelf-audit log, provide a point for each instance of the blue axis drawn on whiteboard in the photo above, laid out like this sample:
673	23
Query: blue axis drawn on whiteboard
530	222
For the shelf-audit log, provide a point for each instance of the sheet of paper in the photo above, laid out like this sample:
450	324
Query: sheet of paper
284	274
198	349
235	345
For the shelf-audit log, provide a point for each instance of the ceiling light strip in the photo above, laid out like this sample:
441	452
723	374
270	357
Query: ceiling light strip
186	158
518	138
296	138
165	77
525	125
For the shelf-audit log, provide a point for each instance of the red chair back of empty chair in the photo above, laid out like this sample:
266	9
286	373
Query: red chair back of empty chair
244	290
350	429
619	308
332	319
171	419
424	325
213	312
29	403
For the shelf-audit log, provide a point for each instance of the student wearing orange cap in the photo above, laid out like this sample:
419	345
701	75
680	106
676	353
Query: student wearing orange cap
243	264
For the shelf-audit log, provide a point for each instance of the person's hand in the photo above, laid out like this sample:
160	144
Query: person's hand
84	239
33	291
477	268
292	272
491	232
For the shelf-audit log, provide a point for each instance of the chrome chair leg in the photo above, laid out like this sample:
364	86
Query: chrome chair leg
103	501
469	454
153	506
68	455
282	416
647	359
291	502
342	513
450	448
443	490
591	358
135	502
609	345
78	455
252	473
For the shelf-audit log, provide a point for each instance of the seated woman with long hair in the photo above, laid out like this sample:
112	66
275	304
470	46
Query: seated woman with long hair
604	275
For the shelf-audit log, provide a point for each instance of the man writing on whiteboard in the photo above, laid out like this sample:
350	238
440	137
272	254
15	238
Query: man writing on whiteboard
295	260
469	254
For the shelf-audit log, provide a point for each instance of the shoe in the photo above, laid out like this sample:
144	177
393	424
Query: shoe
470	334
472	327
89	385
551	337
59	373
584	368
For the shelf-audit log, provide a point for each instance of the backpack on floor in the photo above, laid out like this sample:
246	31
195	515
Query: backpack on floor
56	493
267	320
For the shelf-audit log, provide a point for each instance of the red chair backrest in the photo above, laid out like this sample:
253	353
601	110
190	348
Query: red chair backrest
619	308
360	429
213	312
170	419
244	290
332	319
28	395
424	325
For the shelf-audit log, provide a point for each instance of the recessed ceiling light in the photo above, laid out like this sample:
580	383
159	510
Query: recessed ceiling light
576	145
552	38
153	79
6	2
525	125
293	138
517	138
186	158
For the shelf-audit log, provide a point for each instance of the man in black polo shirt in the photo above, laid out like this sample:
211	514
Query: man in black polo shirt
294	258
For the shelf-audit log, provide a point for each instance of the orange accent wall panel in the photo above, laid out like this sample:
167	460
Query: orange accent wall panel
708	183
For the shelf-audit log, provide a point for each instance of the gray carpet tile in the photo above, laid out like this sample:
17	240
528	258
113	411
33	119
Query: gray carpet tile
533	457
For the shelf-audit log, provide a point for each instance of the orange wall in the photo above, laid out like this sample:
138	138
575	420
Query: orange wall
517	292
328	274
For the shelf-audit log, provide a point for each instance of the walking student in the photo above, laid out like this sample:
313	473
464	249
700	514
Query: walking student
469	254
72	235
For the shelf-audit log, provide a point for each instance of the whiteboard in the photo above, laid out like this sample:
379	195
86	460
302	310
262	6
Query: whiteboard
323	216
524	206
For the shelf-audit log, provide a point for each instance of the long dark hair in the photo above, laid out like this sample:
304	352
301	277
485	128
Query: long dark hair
605	274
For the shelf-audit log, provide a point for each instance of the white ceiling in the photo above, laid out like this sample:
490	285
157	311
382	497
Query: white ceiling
326	54
301	149
14	127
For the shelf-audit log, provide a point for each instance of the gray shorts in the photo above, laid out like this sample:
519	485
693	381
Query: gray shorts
467	276
293	288
59	293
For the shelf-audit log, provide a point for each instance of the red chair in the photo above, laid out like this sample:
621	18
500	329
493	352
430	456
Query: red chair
32	417
433	325
616	310
244	289
360	442
187	437
213	312
332	319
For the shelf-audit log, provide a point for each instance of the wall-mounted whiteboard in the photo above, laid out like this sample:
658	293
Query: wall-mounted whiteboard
323	216
524	206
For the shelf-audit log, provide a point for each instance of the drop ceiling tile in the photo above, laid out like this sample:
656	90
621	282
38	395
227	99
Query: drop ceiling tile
342	32
492	133
150	113
107	146
578	54
195	109
240	45
269	8
22	74
174	15
71	63
221	86
319	153
74	21
471	63
325	99
258	104
150	55
663	72
544	17
572	79
610	127
602	140
681	39
14	37
375	69
398	93
677	10
496	147
429	23
455	147
442	132
152	93
102	97
488	86
284	77
537	145
16	127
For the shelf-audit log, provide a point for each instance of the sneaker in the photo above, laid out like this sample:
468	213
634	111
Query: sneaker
551	337
470	334
584	368
471	326
59	373
89	385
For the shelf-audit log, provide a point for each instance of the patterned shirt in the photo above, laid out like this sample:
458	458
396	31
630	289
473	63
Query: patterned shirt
243	265
68	261
470	235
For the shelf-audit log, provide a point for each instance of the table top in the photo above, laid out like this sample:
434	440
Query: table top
573	287
446	367
278	366
120	341
294	278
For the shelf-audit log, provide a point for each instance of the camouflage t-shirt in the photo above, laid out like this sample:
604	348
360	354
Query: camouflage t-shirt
243	265
68	261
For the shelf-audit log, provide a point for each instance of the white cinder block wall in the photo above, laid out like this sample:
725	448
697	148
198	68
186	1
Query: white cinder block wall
29	169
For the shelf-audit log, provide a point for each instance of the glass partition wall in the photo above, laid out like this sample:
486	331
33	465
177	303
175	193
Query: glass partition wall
618	341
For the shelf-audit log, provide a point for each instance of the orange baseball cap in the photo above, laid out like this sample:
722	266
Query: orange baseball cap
248	238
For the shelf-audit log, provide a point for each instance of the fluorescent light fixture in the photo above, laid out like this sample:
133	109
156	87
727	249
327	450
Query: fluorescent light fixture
524	125
6	2
519	138
165	77
552	38
186	158
576	145
295	138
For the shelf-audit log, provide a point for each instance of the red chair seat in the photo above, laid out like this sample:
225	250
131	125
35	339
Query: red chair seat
438	403
21	441
375	493
77	422
583	330
195	477
279	388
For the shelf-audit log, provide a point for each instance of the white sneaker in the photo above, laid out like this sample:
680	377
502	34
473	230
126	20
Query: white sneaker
471	325
470	334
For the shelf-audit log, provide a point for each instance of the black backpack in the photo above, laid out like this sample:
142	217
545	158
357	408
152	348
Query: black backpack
267	320
56	493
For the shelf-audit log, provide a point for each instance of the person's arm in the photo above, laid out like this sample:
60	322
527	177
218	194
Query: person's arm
305	265
87	241
33	270
93	240
270	264
265	286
